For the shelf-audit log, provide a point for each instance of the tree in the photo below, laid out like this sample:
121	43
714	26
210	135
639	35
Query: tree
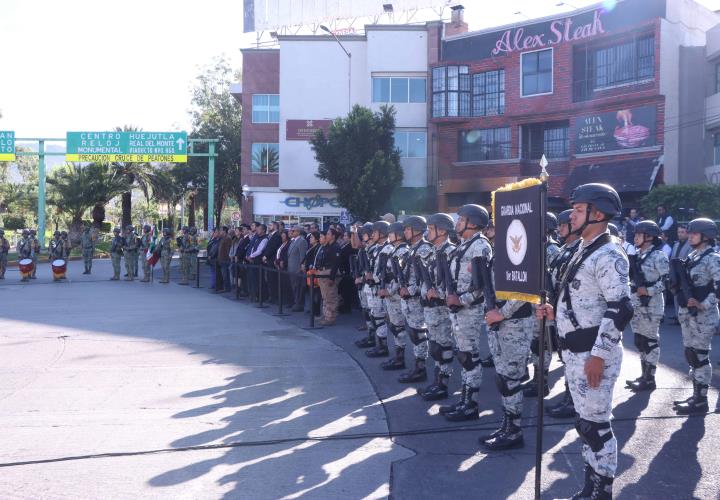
216	114
136	174
684	201
358	157
74	188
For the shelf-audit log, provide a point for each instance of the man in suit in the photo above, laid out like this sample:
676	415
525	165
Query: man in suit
268	259
296	254
255	254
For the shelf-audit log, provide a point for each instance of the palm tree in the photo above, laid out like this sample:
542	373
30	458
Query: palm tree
74	188
168	189
139	175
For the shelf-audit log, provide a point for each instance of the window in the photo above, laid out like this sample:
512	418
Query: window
537	72
628	63
488	91
266	108
484	144
398	90
716	148
451	91
411	144
265	158
550	139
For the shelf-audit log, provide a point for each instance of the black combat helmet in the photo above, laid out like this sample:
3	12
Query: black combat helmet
551	222
146	228
475	214
648	227
441	221
366	228
397	229
56	233
564	217
704	226
116	230
601	196
381	227
416	223
166	231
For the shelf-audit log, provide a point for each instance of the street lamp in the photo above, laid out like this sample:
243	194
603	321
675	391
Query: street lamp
326	30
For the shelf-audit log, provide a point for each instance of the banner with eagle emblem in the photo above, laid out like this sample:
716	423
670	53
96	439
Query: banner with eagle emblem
518	211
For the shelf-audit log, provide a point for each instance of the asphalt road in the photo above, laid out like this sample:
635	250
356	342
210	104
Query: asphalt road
205	397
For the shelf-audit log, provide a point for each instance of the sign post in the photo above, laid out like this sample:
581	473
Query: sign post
7	145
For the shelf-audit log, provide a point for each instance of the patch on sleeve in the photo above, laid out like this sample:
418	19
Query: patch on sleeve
622	266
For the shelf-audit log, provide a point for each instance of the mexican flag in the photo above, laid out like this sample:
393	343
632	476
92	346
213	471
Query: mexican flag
152	256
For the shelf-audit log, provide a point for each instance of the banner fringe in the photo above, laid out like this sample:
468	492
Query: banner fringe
525	297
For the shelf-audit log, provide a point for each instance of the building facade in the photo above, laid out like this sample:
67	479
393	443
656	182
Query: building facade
599	92
710	130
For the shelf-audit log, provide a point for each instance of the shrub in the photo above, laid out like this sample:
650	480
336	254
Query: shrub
681	200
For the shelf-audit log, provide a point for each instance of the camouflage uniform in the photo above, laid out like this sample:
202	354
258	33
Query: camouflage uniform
166	253
145	242
35	243
4	249
87	243
646	321
376	325
24	250
56	250
116	251
592	310
130	249
393	302
412	307
183	249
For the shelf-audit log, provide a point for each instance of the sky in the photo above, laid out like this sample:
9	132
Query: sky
76	65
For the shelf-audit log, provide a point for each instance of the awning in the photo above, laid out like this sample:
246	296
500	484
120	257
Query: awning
629	176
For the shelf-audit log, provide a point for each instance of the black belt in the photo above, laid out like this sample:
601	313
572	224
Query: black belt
581	340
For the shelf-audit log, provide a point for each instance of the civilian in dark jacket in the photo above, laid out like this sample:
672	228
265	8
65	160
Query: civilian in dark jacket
269	256
255	255
346	288
224	261
309	266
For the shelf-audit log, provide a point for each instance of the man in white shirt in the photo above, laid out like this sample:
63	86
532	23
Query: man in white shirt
665	221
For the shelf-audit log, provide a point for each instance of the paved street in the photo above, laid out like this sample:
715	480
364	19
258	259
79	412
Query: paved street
132	390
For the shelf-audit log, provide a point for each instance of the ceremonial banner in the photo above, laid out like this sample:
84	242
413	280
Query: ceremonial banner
518	213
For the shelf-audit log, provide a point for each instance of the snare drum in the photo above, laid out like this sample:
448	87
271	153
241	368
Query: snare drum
59	268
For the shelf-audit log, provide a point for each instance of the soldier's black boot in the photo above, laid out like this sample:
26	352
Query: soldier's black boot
629	383
531	388
487	362
588	487
438	390
396	363
566	408
698	403
444	409
379	351
509	436
500	430
368	341
468	410
417	374
646	382
601	487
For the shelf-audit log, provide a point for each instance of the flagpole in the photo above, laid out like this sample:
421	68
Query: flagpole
541	341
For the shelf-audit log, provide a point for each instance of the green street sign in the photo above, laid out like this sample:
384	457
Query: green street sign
7	145
127	147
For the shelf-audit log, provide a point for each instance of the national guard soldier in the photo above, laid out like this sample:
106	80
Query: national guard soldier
25	250
698	312
66	245
192	250
414	228
592	309
56	250
391	255
380	276
365	237
649	269
377	328
35	243
87	243
466	310
130	249
183	245
570	239
166	253
145	242
552	248
116	251
437	315
4	249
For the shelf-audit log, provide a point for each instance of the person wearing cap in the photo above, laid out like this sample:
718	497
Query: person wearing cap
130	250
570	240
394	248
4	250
699	316
437	315
116	251
466	308
87	245
35	244
377	328
420	249
591	310
327	274
145	242
649	270
166	250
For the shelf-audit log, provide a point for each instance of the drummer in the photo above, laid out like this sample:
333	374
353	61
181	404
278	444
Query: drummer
25	251
56	251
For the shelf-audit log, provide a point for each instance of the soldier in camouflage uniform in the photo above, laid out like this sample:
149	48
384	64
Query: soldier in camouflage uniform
192	250
648	271
592	310
466	309
4	249
183	246
365	237
55	250
87	244
377	328
699	316
166	253
145	242
130	249
35	243
414	228
552	248
116	251
435	310
24	249
394	251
